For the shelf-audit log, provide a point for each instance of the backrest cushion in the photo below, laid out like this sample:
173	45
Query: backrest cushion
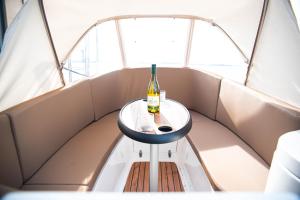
194	89
106	93
258	119
177	84
175	81
44	124
112	91
10	173
204	93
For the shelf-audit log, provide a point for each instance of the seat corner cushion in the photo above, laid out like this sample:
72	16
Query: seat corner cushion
48	121
79	161
205	92
257	118
10	173
231	164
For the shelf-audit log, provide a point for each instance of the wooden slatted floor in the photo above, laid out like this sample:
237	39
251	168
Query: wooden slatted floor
168	178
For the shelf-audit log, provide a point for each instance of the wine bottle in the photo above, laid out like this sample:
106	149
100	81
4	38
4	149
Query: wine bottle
153	92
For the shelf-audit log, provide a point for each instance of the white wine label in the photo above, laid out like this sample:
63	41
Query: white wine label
153	101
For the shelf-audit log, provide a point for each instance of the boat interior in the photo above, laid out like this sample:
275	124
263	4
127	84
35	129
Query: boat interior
59	110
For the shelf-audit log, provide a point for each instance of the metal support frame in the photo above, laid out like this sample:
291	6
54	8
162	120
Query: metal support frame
117	18
189	43
59	66
189	37
246	60
121	46
261	22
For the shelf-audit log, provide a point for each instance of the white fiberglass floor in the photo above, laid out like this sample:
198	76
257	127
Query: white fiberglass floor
114	174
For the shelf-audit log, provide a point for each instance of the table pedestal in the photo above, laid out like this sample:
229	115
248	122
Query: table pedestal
173	122
153	167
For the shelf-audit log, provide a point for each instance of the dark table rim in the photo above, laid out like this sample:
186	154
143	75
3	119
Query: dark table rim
153	138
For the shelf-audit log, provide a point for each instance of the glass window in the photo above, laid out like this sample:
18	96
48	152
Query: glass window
213	51
154	40
163	41
97	53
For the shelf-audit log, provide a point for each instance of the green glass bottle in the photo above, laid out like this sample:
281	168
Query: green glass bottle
153	92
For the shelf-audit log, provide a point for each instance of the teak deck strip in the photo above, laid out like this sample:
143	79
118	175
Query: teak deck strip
168	178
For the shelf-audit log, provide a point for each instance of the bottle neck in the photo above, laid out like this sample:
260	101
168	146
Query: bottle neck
153	76
153	72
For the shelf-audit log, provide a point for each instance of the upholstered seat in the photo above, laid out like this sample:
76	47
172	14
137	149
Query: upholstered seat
79	161
236	147
231	163
60	141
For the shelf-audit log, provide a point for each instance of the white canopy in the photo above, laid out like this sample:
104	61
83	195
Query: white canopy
68	19
27	64
276	62
274	65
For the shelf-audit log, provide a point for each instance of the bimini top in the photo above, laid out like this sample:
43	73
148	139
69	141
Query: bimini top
239	19
265	31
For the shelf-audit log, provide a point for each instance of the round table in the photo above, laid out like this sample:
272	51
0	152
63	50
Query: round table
170	124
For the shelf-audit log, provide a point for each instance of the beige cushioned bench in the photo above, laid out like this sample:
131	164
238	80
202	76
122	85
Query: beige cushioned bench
10	173
78	162
60	141
60	145
231	164
236	148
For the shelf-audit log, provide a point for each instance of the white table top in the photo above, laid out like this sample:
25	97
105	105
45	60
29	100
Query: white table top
134	118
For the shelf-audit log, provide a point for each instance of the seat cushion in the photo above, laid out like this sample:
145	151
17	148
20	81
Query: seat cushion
258	119
44	124
106	93
195	89
231	164
10	173
79	161
205	92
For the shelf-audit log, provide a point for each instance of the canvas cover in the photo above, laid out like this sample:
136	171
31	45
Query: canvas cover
27	64
276	62
28	67
69	19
